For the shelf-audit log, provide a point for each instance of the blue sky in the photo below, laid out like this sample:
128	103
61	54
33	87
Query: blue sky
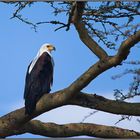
19	45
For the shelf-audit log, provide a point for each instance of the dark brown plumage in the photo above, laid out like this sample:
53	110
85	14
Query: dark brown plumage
38	81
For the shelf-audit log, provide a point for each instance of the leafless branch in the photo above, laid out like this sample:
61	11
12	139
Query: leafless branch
18	118
34	26
75	129
124	117
83	33
89	115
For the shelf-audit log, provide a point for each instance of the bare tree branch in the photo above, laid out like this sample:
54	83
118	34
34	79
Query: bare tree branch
75	129
34	26
89	115
124	117
125	47
97	102
83	33
127	44
14	120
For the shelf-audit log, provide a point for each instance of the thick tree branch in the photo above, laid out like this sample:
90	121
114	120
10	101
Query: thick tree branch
83	33
18	118
15	119
97	102
125	47
127	44
75	129
103	65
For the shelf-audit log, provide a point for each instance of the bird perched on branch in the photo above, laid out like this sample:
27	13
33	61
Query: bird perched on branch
39	77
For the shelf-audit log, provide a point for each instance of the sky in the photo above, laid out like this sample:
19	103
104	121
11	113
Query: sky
19	45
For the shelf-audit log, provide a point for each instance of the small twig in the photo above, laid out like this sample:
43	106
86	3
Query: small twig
55	23
34	26
52	22
133	62
100	36
21	6
89	115
124	117
104	28
127	71
60	27
117	28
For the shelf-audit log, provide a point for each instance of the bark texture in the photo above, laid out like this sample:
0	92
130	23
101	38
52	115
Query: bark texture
75	129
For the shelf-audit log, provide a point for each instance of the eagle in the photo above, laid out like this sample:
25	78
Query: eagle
39	77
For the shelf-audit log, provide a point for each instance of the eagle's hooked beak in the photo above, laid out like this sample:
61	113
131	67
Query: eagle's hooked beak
54	48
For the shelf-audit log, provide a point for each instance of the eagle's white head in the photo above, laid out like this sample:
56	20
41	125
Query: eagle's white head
44	48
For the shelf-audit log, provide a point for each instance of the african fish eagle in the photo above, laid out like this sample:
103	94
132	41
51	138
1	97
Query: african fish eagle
39	77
